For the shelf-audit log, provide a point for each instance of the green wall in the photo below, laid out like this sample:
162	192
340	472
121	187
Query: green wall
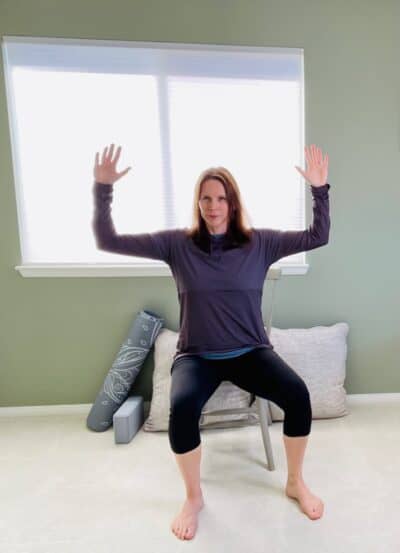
59	336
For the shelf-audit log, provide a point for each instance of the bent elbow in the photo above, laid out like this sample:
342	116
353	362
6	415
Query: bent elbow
324	241
103	244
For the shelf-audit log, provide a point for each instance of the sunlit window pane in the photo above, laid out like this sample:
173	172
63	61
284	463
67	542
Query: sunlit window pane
175	110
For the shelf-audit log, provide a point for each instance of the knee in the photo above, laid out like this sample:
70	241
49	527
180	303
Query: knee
298	394
185	405
183	425
298	411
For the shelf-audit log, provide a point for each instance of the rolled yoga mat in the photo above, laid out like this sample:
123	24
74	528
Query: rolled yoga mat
125	369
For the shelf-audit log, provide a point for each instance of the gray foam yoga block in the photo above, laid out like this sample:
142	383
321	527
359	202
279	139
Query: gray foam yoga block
128	419
124	370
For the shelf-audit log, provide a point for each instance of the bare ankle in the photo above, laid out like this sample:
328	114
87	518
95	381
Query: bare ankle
294	478
194	495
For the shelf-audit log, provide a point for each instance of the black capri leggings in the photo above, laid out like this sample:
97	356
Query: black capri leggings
260	371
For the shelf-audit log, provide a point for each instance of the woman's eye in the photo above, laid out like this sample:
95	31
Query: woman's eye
208	199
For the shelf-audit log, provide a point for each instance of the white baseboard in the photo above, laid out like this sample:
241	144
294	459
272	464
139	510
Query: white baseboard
84	408
370	398
44	410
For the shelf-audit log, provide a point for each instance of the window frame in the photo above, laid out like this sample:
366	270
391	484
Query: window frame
143	268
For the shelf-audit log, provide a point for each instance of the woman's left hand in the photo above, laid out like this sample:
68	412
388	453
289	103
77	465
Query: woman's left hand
317	170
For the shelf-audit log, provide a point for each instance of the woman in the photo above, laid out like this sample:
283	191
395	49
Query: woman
219	266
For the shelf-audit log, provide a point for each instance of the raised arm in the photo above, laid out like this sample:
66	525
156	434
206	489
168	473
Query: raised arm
156	245
279	243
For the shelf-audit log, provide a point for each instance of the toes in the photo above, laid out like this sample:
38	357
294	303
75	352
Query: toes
189	533
317	511
173	529
178	531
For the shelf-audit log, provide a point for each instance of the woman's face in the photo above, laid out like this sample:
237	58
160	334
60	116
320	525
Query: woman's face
214	206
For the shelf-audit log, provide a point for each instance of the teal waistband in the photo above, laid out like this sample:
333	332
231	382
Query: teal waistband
226	354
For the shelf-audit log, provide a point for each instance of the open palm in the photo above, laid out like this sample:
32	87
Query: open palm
317	166
106	171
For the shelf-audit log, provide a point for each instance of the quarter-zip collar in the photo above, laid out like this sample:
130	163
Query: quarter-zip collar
208	242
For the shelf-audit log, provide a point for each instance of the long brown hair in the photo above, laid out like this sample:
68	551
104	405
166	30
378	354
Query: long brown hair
239	230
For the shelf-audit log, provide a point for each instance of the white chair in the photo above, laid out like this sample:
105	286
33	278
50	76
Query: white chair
263	407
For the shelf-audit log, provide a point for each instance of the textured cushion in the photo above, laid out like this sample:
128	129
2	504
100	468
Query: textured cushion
318	355
226	396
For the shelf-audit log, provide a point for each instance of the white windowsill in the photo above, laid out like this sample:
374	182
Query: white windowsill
115	270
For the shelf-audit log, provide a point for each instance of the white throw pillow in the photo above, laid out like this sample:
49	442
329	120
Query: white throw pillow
227	395
318	355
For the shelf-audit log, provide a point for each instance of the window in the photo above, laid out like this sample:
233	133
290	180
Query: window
175	109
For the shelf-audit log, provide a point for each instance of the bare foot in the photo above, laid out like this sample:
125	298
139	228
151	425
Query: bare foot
310	504
184	525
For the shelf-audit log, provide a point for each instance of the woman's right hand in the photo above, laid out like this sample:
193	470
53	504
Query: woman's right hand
105	172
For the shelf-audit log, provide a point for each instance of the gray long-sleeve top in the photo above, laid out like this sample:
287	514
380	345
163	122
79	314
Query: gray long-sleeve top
219	290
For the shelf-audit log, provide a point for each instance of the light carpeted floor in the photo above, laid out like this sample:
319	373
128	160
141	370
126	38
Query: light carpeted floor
67	489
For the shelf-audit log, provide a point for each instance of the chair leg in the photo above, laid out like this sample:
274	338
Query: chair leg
269	416
263	412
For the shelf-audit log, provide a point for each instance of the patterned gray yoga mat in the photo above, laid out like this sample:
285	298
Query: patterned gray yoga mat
125	369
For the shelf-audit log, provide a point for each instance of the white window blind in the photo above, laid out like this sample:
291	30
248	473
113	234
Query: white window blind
175	109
